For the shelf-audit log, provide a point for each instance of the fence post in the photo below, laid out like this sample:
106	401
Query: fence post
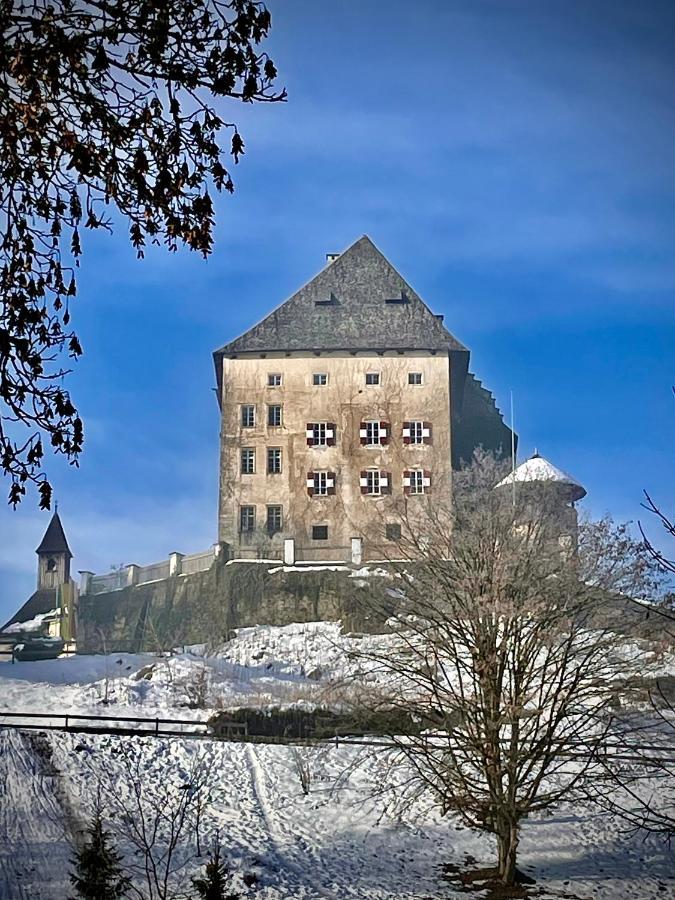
289	551
132	574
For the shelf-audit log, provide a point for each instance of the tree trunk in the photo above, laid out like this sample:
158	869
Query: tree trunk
507	844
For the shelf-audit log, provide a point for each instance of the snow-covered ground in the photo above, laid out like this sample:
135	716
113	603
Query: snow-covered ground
344	839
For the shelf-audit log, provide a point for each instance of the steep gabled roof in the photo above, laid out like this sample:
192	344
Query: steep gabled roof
54	540
345	307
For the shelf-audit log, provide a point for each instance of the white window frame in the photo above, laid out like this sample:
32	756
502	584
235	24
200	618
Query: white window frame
274	379
250	451
276	450
317	379
416	431
250	407
373	482
275	506
413	378
241	519
275	406
373	436
322	482
320	434
418	482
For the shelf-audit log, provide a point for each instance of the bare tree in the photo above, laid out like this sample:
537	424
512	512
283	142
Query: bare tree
161	821
498	652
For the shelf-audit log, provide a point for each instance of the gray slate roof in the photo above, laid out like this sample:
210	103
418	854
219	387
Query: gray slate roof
54	540
39	602
357	284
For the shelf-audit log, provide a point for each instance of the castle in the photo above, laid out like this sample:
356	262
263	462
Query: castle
344	410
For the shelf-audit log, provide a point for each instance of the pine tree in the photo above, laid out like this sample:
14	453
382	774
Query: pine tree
214	883
98	874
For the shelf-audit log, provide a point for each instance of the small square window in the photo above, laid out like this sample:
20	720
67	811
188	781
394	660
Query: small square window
393	531
273	460
319	532
319	436
248	417
247	518
274	519
320	378
247	461
274	380
372	377
274	415
414	378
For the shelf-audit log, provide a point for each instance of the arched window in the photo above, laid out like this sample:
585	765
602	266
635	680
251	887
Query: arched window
51	565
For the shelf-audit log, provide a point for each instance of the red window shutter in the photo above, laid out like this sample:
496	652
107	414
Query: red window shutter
331	488
385	432
427	479
330	440
363	436
406	477
310	488
386	488
363	481
406	432
429	438
309	431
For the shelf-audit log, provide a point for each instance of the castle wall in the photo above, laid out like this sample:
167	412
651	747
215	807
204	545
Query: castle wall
347	401
204	607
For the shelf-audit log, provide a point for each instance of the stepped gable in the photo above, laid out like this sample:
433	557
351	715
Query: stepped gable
54	540
480	423
357	302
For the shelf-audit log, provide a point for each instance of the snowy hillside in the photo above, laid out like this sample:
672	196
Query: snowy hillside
346	838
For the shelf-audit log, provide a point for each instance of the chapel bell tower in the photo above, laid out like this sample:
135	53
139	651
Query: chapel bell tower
53	556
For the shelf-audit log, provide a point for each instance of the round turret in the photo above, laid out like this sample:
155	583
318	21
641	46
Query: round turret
536	469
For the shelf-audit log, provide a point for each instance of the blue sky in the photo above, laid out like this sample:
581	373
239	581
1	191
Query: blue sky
513	159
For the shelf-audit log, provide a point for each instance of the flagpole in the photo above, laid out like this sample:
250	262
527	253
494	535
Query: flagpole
513	455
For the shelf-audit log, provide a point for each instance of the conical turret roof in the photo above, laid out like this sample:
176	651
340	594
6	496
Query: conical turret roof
538	469
54	540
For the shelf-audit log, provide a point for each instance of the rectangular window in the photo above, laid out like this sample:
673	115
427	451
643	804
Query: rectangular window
273	460
372	433
373	481
320	378
393	531
248	417
247	461
247	518
319	532
414	378
320	434
417	481
372	377
416	436
274	519
321	483
274	415
274	380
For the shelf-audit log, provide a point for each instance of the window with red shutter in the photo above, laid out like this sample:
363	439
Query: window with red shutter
427	432
385	482
385	432
309	432
363	481
406	482
331	480
310	483
406	432
330	434
363	434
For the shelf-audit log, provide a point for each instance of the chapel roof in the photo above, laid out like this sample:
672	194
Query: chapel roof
54	540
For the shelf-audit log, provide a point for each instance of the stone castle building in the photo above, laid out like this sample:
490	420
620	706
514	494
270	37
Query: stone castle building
343	410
